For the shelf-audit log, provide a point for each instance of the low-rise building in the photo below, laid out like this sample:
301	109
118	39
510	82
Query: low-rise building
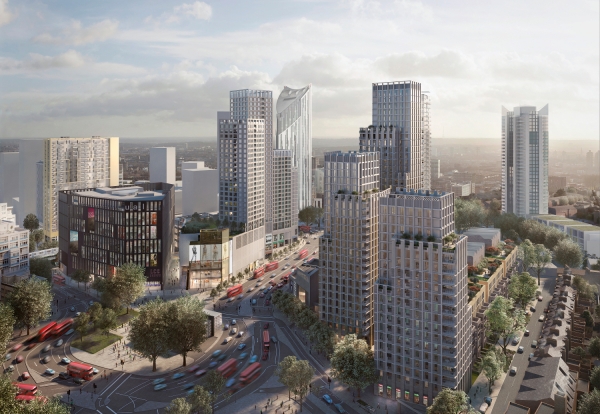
305	285
487	235
14	244
586	235
475	253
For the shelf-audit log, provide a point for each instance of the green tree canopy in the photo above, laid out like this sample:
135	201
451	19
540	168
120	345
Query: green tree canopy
124	288
468	213
82	325
503	320
595	378
201	401
31	222
7	324
150	330
302	374
492	365
214	383
107	320
31	301
567	252
180	406
81	276
522	289
594	347
589	403
187	325
449	402
584	289
353	364
40	266
540	258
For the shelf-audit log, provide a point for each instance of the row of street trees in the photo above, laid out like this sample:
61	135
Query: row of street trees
179	325
296	375
203	399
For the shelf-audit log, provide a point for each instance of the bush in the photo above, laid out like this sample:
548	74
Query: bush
563	201
492	250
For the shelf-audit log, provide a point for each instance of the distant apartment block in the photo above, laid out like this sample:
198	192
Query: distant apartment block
163	165
586	235
284	199
72	164
31	151
9	178
525	161
14	244
422	317
200	188
348	248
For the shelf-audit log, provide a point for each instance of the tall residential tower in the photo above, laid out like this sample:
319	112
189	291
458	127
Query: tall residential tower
294	132
525	161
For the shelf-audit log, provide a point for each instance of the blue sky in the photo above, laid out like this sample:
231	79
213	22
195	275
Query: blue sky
163	68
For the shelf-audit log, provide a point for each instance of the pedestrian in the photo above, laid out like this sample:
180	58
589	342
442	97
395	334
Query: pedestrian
116	365
377	405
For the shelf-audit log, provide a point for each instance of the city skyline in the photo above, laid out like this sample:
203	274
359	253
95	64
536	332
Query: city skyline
70	68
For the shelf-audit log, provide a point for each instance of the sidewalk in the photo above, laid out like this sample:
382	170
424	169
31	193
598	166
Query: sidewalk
479	390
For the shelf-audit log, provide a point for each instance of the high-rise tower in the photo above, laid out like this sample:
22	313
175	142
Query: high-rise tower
400	132
525	161
294	132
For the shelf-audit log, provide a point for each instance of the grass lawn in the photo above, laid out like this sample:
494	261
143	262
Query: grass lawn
123	316
95	342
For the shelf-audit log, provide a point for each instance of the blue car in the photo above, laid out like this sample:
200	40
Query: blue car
212	364
178	375
328	399
243	355
160	387
253	359
158	381
230	382
216	353
188	386
241	346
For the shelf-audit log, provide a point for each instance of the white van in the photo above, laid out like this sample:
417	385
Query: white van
483	408
227	339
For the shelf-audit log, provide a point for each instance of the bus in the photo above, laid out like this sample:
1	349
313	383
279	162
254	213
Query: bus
250	374
302	254
304	229
228	368
26	389
259	272
286	278
79	370
29	398
266	340
46	331
62	327
272	266
234	291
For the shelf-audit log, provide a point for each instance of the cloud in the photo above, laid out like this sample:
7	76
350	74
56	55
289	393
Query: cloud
69	59
6	16
79	35
197	10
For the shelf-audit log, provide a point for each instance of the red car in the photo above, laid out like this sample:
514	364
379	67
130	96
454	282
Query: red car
265	356
200	372
266	325
193	368
19	359
267	303
25	376
17	347
31	345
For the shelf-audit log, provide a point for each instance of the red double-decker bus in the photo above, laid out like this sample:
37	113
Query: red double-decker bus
302	253
228	368
234	291
250	374
286	278
62	327
259	272
45	332
26	389
79	370
304	229
266	341
272	266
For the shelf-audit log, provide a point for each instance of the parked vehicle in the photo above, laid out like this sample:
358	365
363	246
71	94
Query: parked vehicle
513	370
327	399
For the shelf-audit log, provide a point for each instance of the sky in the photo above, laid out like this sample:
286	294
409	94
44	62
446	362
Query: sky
158	68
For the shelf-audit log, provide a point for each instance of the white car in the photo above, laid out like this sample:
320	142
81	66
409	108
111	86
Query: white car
228	339
233	322
240	297
240	334
513	370
541	318
251	289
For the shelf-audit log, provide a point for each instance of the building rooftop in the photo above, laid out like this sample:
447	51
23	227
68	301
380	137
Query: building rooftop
481	231
474	247
125	193
544	379
563	221
545	409
514	408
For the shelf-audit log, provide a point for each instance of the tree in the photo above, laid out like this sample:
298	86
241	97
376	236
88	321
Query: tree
40	267
302	374
247	271
37	235
31	301
589	319
31	222
214	383
82	325
584	289
95	312
81	276
508	222
179	406
525	253
589	403
319	215
7	323
553	236
323	337
492	365
560	192
449	401
187	325
568	253
522	289
214	293
150	331
503	320
352	363
305	318
468	213
594	347
201	401
282	372
540	258
8	403
107	320
595	378
124	288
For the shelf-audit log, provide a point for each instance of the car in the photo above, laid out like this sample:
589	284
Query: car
65	360
95	371
273	275
158	381
267	302
217	353
520	350
240	297
327	399
272	283
59	342
226	327
230	299
532	309
526	333
315	252
279	285
188	386
274	339
240	334
541	318
293	266
251	289
254	301
266	326
46	348
488	400
64	375
287	258
243	355
31	345
233	322
339	408
253	359
10	368
160	387
72	308
49	371
546	310
286	266
70	331
259	280
212	364
91	302
200	372
16	347
230	382
189	392
46	360
25	376
269	289
19	359
265	356
540	297
531	355
226	341
483	407
262	295
307	242
513	370
534	344
516	340
257	284
8	357
178	375
193	368
78	314
241	346
78	381
222	357
233	331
